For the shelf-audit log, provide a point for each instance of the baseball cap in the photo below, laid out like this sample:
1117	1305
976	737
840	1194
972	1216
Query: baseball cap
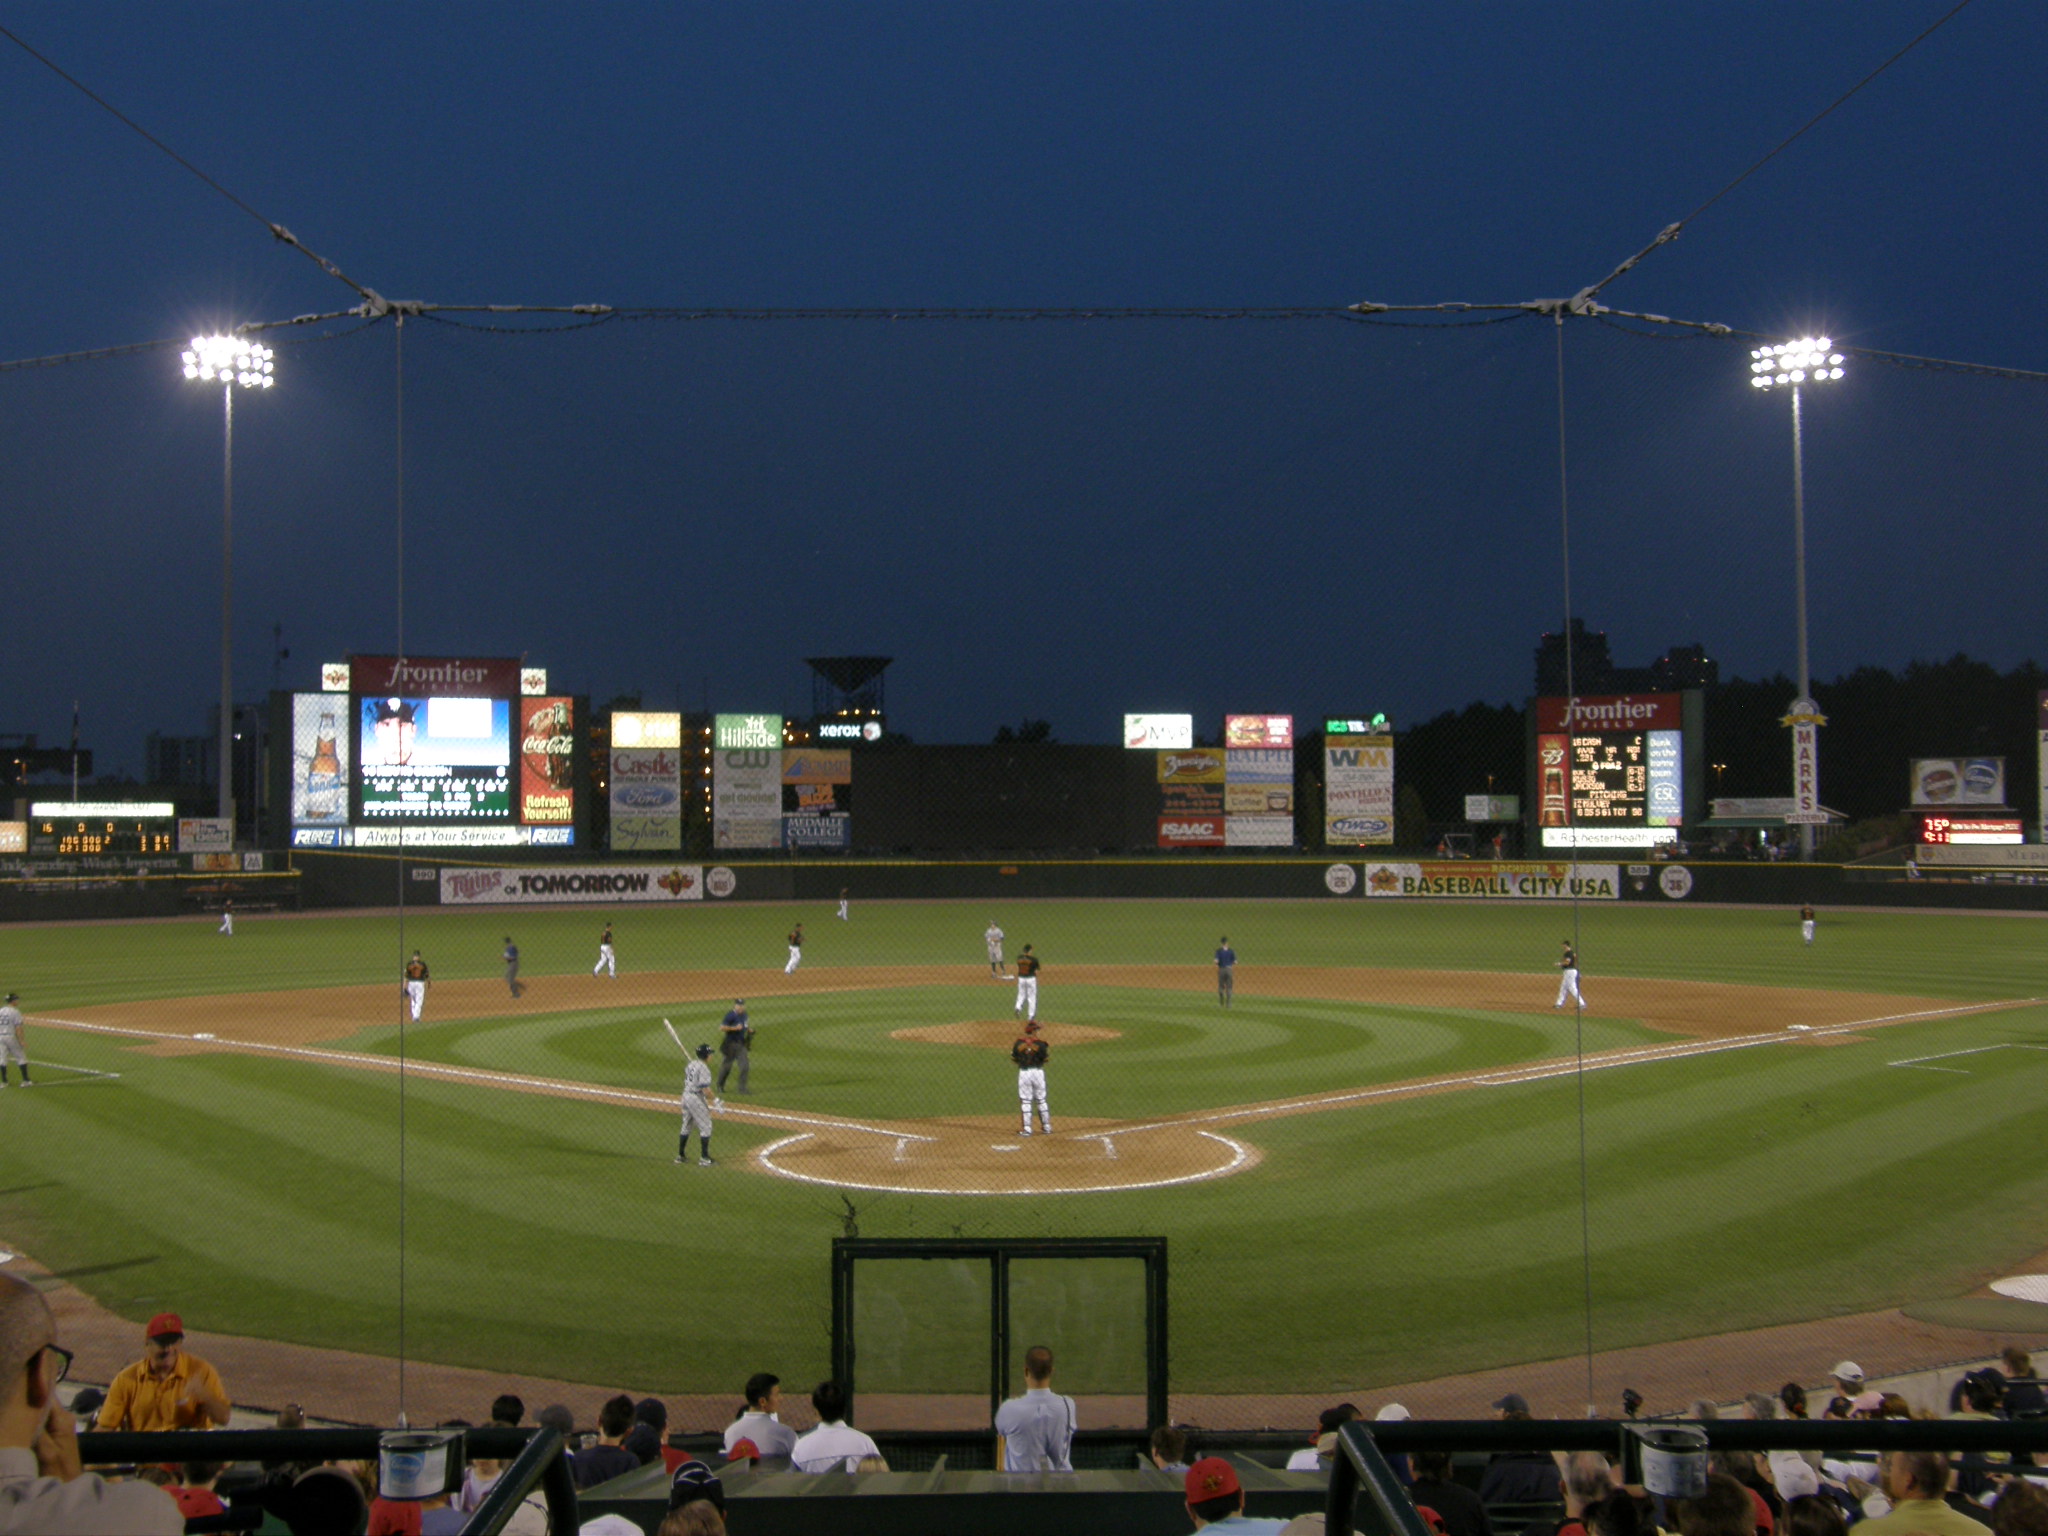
1211	1478
1432	1519
1333	1418
694	1481
14	997
1031	1026
743	1450
165	1325
1513	1402
1847	1370
1393	1413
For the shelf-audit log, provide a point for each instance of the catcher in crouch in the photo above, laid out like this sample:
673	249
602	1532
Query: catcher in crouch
1029	1052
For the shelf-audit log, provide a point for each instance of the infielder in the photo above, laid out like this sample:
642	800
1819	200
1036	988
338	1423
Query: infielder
995	949
1027	984
1568	977
1806	923
227	916
735	1035
1226	970
416	984
696	1109
13	1050
1029	1053
845	895
796	950
606	961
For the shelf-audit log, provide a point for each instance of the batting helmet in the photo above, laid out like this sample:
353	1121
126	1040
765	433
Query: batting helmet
703	1051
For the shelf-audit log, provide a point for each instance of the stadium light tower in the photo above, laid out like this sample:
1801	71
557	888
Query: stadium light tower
1791	365
233	362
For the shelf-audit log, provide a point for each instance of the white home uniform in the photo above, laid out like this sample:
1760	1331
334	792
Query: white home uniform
607	963
796	950
1806	924
416	985
1029	1053
1568	979
843	898
1027	984
995	949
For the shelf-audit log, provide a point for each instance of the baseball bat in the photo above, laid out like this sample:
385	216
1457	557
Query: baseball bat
675	1037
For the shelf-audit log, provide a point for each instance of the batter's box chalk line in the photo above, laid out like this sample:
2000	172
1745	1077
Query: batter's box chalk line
79	1076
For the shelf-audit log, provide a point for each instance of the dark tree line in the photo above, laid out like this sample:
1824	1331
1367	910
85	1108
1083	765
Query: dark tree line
1878	720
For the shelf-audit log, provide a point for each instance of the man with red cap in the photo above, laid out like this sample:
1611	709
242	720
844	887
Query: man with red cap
167	1388
1216	1501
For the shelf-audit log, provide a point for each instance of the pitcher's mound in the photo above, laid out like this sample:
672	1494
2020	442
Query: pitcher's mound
999	1034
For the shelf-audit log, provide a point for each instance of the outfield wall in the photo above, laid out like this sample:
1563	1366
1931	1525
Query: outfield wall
362	880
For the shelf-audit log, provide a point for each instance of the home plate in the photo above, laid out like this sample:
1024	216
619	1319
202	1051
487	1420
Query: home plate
1006	1146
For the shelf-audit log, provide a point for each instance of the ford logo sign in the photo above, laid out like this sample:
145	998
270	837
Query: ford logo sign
645	797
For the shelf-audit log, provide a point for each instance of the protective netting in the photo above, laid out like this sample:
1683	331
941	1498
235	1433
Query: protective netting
1381	1167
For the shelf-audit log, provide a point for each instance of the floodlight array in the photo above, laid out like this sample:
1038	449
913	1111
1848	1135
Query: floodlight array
1808	360
230	360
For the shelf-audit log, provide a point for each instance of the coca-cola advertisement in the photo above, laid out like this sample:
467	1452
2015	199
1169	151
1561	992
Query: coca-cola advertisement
547	733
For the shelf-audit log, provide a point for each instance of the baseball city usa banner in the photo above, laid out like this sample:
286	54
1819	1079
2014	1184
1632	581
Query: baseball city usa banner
1496	882
609	882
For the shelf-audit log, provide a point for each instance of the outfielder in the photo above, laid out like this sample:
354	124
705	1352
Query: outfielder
1029	1053
606	961
1568	977
696	1108
13	1052
845	895
416	984
796	950
1806	923
227	916
995	949
1027	984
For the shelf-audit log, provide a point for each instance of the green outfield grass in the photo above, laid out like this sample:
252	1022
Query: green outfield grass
1373	1244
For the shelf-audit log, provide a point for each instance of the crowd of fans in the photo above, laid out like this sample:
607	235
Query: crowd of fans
1520	1493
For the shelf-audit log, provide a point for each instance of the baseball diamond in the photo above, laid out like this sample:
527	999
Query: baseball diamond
1390	1084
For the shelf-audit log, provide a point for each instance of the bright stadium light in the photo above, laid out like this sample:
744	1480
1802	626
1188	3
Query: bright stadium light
1789	365
232	362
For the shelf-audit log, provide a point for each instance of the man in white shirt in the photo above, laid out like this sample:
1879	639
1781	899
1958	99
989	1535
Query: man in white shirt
1035	1432
761	1423
41	1485
835	1445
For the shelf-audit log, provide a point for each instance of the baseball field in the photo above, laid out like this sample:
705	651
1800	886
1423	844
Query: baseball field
1390	1158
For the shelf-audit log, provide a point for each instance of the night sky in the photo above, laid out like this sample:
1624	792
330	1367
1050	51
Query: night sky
1056	518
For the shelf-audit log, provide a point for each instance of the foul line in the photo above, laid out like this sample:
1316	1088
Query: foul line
559	1086
1915	1062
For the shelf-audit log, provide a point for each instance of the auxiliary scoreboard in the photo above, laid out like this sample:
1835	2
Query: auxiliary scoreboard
1610	771
67	828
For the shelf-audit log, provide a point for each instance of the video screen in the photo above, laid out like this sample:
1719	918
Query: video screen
429	760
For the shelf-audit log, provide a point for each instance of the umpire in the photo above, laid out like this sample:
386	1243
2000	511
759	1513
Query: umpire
735	1034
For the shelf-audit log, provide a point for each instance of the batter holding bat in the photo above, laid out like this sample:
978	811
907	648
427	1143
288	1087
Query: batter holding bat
696	1106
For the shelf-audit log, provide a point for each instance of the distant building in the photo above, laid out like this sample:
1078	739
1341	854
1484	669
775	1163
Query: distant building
193	762
1593	670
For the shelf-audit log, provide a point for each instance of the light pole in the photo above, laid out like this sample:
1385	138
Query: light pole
1789	365
231	362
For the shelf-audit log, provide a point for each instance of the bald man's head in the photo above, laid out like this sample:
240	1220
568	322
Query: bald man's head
25	1325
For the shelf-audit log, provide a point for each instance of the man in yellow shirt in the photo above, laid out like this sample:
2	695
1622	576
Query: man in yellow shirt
167	1388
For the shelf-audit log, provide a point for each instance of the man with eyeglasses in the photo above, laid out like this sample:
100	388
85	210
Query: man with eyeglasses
42	1487
167	1388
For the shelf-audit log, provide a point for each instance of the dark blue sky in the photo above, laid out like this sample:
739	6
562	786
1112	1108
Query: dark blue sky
1056	519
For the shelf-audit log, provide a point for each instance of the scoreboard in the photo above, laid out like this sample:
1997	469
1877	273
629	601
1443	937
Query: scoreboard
1610	771
70	829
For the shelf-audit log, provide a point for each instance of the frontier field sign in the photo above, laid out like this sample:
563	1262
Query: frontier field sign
1358	791
1610	771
